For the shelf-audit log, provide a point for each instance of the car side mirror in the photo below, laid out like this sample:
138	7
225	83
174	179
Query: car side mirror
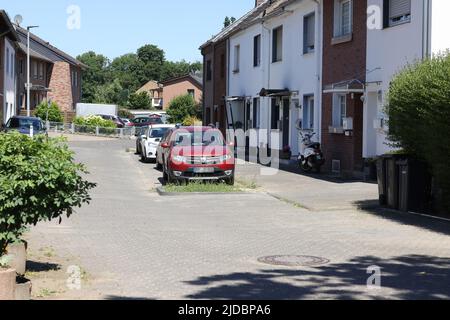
164	145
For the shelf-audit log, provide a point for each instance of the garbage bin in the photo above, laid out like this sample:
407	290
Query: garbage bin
381	177
391	182
415	186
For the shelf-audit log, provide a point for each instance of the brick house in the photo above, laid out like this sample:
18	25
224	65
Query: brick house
155	92
54	74
189	84
8	47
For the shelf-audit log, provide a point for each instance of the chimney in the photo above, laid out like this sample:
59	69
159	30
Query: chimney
258	2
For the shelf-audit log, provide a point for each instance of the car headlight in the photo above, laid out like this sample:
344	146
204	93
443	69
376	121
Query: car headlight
179	159
225	158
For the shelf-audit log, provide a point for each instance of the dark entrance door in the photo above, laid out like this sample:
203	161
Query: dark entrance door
286	122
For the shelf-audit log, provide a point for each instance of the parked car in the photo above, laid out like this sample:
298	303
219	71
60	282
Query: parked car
151	140
119	123
24	124
125	121
197	153
145	121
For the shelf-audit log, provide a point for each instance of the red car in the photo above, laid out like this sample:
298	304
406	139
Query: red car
196	154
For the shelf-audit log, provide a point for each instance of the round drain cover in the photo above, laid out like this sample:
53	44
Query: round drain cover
294	261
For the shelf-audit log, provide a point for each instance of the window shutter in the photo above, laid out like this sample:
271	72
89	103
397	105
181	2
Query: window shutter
399	8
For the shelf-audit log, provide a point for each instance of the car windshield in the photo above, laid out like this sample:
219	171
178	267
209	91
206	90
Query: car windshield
18	123
156	120
158	132
199	138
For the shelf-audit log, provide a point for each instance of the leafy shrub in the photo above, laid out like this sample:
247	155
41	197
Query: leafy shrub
192	121
419	113
139	101
181	108
39	181
124	113
54	113
94	121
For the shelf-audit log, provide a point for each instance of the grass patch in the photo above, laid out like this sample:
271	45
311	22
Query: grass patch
202	187
246	184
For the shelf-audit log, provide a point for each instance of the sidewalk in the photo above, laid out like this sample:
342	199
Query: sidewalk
316	192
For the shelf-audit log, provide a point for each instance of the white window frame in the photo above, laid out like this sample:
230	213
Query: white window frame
339	110
309	112
306	48
277	47
339	19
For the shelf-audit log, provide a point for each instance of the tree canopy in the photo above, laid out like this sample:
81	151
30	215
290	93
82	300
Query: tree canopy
115	81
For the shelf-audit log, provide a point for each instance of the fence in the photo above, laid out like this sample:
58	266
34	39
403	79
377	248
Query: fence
71	128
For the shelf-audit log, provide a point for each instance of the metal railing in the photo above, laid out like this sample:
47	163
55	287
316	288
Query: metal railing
71	128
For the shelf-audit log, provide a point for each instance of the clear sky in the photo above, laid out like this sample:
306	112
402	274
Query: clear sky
116	27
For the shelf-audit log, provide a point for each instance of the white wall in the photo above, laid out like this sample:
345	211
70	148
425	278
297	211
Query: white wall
440	26
388	51
296	72
88	109
9	109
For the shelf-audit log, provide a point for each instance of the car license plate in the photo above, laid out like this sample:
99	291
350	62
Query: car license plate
203	170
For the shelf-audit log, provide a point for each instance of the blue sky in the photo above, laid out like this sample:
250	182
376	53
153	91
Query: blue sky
116	27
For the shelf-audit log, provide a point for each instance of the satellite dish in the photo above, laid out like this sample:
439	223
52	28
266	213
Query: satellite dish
18	19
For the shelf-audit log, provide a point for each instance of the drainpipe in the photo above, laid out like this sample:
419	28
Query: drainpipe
269	130
426	29
319	55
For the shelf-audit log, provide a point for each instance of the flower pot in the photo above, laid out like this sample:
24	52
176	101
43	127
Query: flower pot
7	284
23	289
18	254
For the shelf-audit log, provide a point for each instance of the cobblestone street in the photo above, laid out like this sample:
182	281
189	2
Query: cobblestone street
135	244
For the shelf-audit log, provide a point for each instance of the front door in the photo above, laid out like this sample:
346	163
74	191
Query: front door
286	122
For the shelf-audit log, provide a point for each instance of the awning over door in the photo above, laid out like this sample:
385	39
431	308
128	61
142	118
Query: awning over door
275	93
350	86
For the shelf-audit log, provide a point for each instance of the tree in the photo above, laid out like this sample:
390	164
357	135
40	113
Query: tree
97	74
49	111
153	59
177	69
129	71
139	101
111	93
228	21
182	107
419	112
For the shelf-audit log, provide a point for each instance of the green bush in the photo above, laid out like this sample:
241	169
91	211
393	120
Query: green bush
181	108
139	101
39	181
54	113
192	121
94	121
419	115
124	113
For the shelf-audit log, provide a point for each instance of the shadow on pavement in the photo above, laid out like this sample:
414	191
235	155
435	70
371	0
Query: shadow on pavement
33	266
423	222
410	277
123	298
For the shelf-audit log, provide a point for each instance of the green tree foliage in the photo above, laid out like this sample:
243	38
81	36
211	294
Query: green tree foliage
181	108
139	101
228	22
50	110
39	181
113	82
97	73
419	113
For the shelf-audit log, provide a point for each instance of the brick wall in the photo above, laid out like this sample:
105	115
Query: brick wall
61	86
342	62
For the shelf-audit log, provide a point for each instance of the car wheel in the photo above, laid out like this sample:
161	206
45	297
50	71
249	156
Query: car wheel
230	181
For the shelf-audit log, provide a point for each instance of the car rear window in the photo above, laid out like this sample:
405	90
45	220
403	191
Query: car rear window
198	138
158	132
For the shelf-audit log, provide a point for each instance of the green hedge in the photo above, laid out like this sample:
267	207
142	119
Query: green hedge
419	115
52	110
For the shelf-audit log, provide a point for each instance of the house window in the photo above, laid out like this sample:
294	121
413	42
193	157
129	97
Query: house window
339	110
308	113
7	60
208	70
277	44
343	18
396	12
256	111
237	53
191	92
21	66
12	65
309	33
35	70
41	71
257	51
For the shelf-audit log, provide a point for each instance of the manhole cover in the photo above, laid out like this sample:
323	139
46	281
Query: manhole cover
294	261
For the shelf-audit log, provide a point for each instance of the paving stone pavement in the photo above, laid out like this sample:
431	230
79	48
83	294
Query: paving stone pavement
207	247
